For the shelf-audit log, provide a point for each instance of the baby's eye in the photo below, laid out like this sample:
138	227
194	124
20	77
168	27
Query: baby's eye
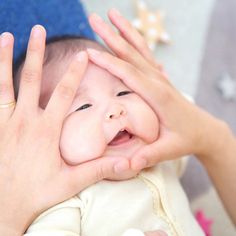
123	93
85	106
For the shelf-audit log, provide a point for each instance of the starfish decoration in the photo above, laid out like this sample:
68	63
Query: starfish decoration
227	86
204	222
150	25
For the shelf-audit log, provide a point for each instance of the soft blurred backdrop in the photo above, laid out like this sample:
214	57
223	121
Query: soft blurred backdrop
200	61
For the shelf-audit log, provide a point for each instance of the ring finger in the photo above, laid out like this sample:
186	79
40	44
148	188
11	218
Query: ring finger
7	98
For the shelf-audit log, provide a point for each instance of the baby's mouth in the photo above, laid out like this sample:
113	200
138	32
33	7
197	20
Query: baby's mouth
121	137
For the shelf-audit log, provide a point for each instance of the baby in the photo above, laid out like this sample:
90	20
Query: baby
108	119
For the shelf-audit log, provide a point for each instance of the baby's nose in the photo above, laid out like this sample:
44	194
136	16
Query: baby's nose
115	112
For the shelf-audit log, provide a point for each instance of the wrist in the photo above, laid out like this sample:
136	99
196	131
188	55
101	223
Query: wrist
216	140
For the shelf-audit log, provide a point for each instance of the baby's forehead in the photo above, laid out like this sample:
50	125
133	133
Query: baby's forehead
97	78
59	55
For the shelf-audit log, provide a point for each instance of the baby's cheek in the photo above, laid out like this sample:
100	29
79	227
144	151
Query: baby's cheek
81	143
147	123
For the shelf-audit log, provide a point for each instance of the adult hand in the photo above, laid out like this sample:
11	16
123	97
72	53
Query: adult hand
184	127
33	176
181	122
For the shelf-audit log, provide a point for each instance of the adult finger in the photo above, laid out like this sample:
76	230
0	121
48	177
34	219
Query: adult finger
149	87
31	74
65	91
7	98
166	148
118	44
131	35
93	171
119	68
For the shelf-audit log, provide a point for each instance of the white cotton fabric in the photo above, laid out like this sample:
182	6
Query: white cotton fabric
154	200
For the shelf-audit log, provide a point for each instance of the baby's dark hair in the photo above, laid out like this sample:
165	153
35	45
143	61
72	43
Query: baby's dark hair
58	48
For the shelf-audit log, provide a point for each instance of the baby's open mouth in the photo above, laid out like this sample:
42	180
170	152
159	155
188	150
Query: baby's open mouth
121	137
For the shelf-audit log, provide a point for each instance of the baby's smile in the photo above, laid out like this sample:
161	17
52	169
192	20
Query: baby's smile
121	137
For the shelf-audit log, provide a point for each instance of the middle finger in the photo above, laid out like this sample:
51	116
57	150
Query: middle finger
31	74
149	88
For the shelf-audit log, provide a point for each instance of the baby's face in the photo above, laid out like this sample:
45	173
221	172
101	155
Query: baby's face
106	119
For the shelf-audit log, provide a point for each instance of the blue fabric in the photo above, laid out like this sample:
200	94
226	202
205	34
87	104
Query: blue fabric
59	17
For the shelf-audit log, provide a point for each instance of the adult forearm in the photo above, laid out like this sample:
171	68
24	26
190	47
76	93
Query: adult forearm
219	159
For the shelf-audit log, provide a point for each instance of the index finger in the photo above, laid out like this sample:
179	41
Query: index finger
65	91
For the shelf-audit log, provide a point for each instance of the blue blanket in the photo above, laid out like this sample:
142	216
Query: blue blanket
59	17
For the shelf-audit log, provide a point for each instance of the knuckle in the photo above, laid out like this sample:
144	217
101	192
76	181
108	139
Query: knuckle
29	75
142	45
100	174
165	95
123	50
5	88
33	49
65	91
132	71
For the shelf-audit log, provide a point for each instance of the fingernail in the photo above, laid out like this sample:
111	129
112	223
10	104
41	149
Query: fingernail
115	12
36	31
81	56
93	52
121	166
4	39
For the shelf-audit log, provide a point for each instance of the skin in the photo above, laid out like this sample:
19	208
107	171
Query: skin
179	134
102	107
29	144
94	127
184	127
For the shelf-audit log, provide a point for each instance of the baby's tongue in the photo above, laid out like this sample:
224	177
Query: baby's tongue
121	137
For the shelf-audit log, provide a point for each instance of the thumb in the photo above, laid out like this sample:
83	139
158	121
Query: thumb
150	155
86	174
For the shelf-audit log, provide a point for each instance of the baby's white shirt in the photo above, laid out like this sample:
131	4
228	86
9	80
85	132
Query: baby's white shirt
154	200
